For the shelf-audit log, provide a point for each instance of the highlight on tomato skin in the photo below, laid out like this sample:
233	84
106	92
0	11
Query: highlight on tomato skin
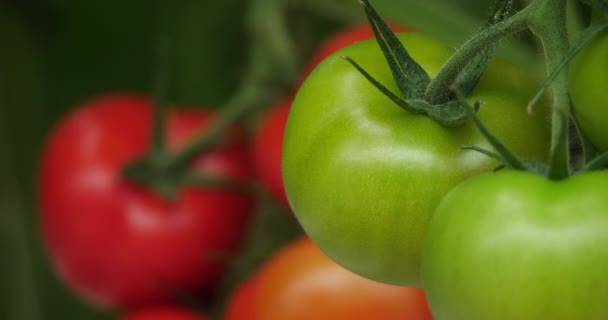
118	244
300	282
163	313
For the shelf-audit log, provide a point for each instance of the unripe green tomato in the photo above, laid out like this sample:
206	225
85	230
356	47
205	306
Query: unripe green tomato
516	246
589	90
363	176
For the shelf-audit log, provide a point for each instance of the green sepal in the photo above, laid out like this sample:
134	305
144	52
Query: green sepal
531	165
410	77
597	163
449	114
509	159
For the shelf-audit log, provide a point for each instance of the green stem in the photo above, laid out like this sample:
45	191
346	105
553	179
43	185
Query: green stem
251	94
549	24
19	277
442	82
260	84
456	22
257	86
161	98
269	28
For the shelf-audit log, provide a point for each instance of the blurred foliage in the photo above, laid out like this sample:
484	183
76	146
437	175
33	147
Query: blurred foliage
56	53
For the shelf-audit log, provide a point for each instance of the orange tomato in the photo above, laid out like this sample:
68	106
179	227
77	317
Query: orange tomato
301	282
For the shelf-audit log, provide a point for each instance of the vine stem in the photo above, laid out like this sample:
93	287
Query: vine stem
250	95
549	23
547	19
161	97
268	24
269	67
262	83
449	72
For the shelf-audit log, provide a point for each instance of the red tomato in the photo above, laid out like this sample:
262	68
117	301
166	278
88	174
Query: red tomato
301	282
268	147
118	243
344	37
241	305
163	313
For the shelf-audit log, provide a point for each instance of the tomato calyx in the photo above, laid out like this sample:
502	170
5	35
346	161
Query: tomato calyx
415	85
151	172
155	173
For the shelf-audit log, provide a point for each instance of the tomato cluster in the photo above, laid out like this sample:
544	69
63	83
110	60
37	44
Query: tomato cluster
391	194
379	172
120	242
137	216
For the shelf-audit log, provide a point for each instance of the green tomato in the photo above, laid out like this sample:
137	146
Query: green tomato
589	90
514	245
364	176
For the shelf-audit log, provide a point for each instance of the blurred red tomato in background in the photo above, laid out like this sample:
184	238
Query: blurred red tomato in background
268	148
118	243
163	313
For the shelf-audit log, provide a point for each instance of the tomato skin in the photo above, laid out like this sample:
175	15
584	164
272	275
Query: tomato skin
363	176
241	305
268	141
514	245
117	243
268	149
163	313
300	282
588	75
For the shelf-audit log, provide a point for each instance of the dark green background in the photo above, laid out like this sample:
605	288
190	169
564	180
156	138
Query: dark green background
56	53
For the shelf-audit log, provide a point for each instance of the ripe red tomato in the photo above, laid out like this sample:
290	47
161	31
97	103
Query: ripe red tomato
344	37
241	305
268	148
301	282
117	243
163	313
